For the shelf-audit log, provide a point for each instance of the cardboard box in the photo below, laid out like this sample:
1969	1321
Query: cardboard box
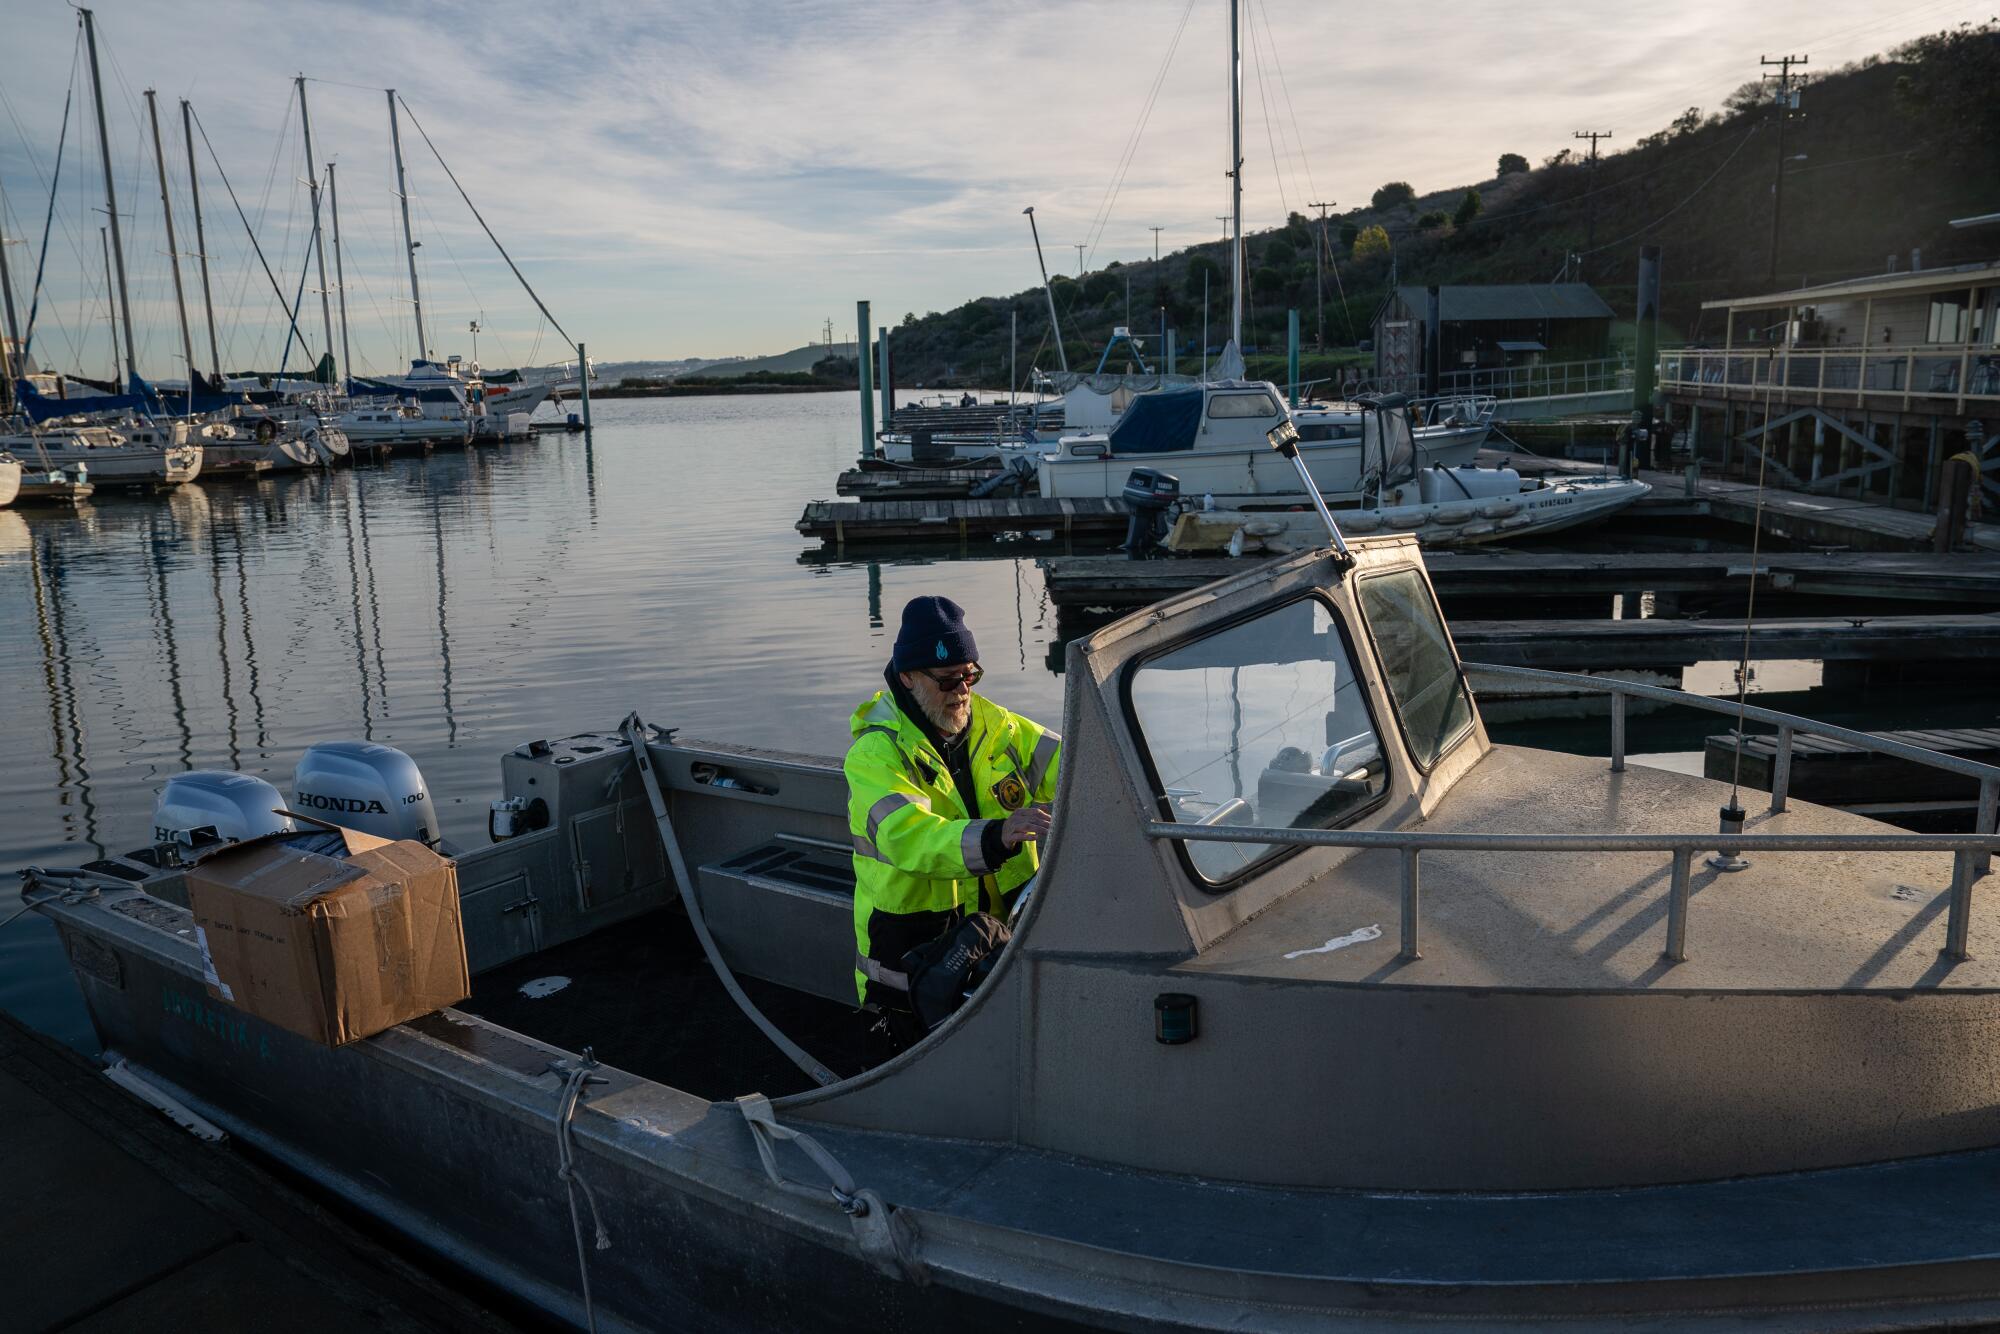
330	947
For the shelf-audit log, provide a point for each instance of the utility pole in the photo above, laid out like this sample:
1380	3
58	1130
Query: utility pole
173	251
201	243
1788	106
1590	212
1055	325
1319	274
1079	256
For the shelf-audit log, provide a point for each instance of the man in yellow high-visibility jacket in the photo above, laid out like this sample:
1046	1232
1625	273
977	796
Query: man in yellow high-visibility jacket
947	794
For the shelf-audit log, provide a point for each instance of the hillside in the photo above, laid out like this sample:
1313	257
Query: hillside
1892	149
798	359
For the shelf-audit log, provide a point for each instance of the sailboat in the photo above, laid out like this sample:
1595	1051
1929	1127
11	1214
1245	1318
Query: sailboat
1212	434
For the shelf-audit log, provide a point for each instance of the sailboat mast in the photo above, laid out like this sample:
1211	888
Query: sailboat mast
201	243
339	271
110	311
319	249
110	203
1055	325
16	355
1235	177
173	251
409	242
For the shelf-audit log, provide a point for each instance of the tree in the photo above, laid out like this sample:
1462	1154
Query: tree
1393	195
1277	253
1102	286
1687	122
1433	220
1202	273
1348	232
1371	242
1560	158
1267	282
1468	208
1747	97
1510	163
1950	83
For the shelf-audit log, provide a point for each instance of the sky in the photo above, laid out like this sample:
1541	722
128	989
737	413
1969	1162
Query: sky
682	180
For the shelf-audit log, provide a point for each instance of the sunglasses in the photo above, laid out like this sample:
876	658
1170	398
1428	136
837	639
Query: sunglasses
950	680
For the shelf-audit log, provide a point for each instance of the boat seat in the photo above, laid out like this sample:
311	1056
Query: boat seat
783	911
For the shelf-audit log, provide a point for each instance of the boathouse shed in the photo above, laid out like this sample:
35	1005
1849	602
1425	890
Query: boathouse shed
1491	326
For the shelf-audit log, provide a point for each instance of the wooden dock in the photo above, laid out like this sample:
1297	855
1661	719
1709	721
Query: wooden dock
125	1222
1834	773
1577	645
912	483
844	525
1112	582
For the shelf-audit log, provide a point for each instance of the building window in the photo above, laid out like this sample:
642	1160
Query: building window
1951	318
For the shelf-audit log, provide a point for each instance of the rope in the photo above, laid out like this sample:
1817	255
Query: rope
885	1237
72	893
488	230
1750	609
575	1077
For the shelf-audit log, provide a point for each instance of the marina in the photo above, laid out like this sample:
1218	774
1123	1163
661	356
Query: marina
1430	761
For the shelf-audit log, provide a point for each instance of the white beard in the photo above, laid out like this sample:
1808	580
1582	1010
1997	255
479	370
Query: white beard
948	718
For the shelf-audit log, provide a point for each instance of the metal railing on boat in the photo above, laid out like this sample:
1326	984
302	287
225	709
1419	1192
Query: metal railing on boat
1971	853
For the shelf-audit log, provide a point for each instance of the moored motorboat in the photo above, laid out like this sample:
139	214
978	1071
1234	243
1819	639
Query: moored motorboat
1325	1011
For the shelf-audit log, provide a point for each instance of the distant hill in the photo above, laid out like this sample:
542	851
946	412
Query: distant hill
1884	153
798	359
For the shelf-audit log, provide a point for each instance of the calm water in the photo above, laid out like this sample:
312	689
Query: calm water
453	607
459	605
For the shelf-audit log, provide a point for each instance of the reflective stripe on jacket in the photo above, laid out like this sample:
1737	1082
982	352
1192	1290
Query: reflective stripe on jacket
917	850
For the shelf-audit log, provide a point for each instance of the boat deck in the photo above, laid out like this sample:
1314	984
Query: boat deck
644	999
1596	921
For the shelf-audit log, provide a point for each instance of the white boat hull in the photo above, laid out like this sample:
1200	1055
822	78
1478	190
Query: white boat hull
10	481
1231	475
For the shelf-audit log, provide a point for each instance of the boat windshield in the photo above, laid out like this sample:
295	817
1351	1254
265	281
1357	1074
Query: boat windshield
1417	661
1261	723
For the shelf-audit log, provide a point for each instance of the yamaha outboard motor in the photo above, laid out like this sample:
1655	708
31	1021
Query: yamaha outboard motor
207	806
360	785
1150	493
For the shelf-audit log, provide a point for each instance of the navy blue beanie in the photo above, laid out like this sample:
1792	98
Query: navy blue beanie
933	635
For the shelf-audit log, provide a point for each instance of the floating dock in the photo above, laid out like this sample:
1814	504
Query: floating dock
1115	583
1833	773
846	524
1794	517
1573	645
125	1222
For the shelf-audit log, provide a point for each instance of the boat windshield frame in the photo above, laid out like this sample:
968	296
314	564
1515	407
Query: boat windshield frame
1389	677
1274	855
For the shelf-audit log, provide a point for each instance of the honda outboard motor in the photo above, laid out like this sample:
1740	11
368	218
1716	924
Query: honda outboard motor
1150	493
360	785
216	806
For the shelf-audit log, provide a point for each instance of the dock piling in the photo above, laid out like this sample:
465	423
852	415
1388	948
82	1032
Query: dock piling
863	365
583	379
1292	356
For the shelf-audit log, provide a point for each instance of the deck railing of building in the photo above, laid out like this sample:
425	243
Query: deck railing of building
1553	379
1958	372
1971	853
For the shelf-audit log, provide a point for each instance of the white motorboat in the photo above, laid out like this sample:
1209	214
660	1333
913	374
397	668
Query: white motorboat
142	453
1211	437
403	423
1440	505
